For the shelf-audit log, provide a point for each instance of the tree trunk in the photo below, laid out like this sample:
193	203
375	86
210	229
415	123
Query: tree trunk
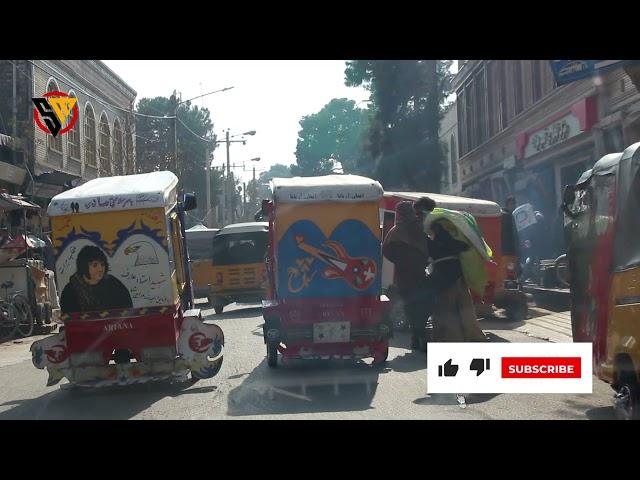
434	165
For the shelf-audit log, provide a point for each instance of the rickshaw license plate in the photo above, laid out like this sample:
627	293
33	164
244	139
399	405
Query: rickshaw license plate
331	332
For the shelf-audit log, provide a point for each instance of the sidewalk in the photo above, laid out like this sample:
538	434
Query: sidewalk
551	326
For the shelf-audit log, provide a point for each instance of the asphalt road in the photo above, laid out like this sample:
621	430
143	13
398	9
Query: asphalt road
246	388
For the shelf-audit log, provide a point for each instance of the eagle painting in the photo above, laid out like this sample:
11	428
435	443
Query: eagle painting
146	254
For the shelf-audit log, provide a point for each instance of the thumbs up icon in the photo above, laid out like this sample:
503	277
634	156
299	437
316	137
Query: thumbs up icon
450	370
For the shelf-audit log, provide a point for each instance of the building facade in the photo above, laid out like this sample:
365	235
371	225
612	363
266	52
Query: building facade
519	134
102	142
448	135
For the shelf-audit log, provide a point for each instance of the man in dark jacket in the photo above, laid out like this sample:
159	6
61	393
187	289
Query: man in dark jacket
406	247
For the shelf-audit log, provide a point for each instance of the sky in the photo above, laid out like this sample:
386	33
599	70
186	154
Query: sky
269	96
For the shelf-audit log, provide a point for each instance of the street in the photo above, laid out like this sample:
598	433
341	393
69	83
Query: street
246	388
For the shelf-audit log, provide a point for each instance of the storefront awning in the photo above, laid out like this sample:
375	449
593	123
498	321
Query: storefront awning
59	179
15	202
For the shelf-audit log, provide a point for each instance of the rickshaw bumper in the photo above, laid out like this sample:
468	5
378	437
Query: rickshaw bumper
338	351
199	350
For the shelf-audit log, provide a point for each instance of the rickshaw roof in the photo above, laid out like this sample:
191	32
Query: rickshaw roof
201	228
248	227
327	188
107	194
475	206
606	164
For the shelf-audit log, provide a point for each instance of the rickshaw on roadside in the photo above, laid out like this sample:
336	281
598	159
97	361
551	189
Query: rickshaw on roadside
126	296
238	271
602	232
503	288
324	270
28	299
200	247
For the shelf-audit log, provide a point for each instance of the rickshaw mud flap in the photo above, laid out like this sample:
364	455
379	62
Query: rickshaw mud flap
199	350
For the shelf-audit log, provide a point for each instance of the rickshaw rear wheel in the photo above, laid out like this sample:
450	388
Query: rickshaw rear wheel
218	309
626	403
24	319
272	354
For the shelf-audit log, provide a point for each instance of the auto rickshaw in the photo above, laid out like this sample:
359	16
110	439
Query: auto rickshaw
126	296
503	288
602	232
324	270
200	247
239	251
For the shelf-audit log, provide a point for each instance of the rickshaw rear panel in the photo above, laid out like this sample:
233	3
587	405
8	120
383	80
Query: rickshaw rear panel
135	332
121	261
324	270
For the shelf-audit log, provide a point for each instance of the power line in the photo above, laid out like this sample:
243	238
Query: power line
73	84
194	133
53	71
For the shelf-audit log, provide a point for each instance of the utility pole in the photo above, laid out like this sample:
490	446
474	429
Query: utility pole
175	134
208	187
14	130
228	194
244	201
254	191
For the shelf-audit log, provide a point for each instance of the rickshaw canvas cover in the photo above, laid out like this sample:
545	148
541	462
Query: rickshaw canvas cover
134	244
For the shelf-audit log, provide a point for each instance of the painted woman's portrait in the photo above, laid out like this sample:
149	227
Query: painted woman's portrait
91	288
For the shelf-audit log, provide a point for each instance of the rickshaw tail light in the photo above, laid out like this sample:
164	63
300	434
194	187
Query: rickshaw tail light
511	267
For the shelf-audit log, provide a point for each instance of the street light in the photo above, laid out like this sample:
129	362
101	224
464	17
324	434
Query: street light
175	120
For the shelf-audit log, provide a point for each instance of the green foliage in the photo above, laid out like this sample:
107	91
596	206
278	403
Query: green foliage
331	138
402	148
155	145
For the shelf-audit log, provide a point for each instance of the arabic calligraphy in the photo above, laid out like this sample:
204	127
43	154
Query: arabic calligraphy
69	261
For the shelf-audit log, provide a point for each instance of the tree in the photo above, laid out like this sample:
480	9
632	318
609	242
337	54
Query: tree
261	189
403	150
277	170
155	148
330	138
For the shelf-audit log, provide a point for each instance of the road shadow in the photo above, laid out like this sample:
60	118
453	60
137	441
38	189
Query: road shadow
451	398
579	409
410	361
113	403
601	413
492	337
498	323
250	311
302	387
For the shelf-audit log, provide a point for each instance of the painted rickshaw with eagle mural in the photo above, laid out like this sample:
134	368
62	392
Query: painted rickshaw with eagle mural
126	293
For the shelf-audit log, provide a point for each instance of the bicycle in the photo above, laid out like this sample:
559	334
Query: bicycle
15	314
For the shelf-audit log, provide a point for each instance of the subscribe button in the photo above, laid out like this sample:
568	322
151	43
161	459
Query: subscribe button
504	367
541	367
